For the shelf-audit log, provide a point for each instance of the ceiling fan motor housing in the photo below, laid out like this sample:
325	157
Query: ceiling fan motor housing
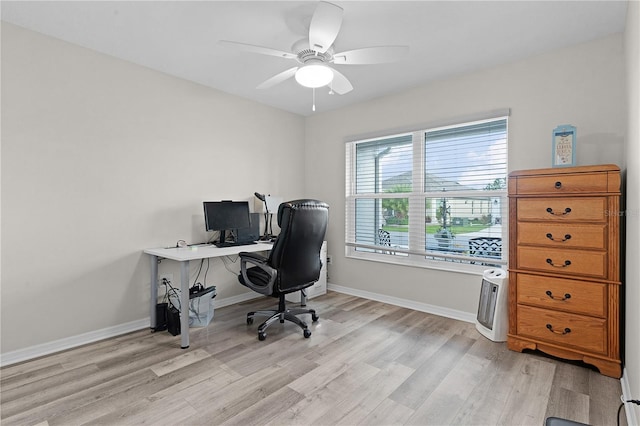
305	53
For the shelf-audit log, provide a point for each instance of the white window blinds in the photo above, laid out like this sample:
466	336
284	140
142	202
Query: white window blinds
434	195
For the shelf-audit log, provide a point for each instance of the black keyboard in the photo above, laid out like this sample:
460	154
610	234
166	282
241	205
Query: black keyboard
234	244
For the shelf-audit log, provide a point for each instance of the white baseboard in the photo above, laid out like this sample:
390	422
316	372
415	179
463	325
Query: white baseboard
221	303
48	348
411	304
629	409
71	342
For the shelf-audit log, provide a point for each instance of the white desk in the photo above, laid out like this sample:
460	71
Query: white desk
184	255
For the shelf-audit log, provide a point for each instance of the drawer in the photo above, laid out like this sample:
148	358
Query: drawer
579	297
563	235
586	333
562	184
559	261
588	209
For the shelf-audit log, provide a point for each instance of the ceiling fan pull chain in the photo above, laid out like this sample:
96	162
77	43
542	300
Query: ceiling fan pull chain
313	107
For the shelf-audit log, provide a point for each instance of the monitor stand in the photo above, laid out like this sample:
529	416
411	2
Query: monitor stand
223	237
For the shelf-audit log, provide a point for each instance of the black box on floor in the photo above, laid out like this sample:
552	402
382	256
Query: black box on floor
173	321
161	317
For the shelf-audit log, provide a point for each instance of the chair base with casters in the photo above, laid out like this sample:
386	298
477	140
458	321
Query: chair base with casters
282	314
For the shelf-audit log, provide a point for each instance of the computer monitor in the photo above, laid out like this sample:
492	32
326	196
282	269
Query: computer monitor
226	216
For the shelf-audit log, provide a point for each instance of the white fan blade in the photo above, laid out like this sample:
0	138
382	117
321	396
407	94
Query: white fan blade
258	49
278	78
324	27
340	84
371	55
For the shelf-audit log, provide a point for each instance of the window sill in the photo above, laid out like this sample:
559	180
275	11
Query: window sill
416	261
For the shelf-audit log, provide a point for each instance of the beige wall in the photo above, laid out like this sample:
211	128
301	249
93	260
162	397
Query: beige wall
102	158
581	85
632	156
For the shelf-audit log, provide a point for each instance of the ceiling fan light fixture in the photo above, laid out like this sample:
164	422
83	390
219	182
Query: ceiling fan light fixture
314	75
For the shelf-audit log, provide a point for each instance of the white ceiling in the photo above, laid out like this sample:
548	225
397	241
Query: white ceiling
445	38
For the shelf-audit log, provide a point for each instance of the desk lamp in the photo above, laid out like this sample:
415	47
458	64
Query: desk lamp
269	204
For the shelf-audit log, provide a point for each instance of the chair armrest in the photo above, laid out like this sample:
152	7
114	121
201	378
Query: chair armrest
252	255
261	262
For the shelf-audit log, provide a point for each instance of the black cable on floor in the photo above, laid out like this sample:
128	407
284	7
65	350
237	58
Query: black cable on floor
634	401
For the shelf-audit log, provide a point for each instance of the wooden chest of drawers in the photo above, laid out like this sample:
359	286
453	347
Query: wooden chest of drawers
564	264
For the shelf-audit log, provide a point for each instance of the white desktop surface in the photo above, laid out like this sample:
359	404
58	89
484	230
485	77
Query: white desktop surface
183	255
180	254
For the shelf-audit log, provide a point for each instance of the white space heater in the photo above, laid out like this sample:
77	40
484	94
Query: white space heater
493	315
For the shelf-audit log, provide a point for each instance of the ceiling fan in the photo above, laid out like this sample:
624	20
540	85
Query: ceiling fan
315	54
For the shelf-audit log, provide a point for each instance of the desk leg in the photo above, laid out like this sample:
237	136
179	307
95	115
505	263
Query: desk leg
153	300
184	304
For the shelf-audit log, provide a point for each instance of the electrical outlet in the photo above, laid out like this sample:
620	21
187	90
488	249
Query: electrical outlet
329	259
169	278
163	289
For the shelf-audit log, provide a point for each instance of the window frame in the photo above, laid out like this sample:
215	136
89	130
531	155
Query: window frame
417	255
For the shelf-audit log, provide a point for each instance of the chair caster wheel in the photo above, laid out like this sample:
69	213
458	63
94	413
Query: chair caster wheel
249	320
262	336
314	318
307	333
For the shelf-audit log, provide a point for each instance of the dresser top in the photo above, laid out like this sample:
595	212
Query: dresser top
566	170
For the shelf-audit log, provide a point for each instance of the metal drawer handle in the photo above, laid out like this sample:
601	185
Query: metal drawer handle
558	185
567	330
550	294
566	211
566	263
566	237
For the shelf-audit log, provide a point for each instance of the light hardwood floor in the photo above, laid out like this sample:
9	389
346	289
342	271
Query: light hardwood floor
366	363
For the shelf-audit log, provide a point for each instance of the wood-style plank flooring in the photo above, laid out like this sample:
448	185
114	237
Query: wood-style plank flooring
366	363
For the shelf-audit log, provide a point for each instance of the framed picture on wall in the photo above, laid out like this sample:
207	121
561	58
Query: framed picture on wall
563	146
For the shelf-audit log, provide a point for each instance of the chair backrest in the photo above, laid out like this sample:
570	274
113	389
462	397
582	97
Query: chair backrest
485	246
296	251
384	238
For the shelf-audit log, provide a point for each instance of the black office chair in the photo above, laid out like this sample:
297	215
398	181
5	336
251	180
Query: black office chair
293	263
384	239
486	247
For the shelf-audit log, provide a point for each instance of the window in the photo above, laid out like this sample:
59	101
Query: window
434	197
